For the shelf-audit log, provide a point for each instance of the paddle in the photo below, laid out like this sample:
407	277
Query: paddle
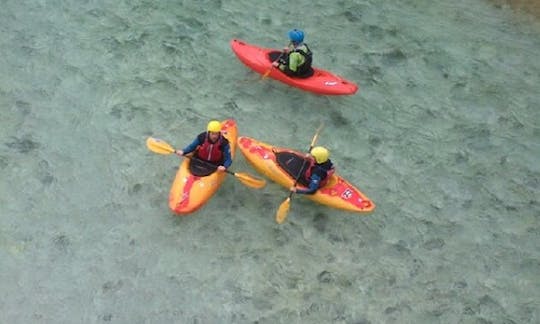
267	73
161	147
283	209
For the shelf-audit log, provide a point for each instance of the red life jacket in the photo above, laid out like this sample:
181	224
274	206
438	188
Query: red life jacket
208	151
324	171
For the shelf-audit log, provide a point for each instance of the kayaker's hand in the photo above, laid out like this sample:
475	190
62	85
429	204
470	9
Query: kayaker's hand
285	50
293	189
179	152
221	168
275	64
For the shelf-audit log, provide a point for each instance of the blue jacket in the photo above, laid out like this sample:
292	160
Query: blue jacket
319	174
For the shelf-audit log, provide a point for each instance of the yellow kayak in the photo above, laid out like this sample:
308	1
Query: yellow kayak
189	192
281	165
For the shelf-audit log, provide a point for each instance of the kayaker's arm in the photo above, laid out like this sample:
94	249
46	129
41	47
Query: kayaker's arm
191	147
315	180
227	160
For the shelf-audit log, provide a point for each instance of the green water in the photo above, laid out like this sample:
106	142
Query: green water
443	136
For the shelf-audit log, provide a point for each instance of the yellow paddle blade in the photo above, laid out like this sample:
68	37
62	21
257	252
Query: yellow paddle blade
283	210
250	181
266	74
159	146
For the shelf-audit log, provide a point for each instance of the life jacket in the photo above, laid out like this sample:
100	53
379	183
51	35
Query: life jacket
308	56
324	171
303	70
211	152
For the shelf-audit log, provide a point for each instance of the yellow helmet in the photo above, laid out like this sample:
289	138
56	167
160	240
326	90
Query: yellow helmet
214	126
320	154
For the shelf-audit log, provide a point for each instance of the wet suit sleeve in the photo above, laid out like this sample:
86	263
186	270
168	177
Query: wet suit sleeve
315	180
191	147
227	160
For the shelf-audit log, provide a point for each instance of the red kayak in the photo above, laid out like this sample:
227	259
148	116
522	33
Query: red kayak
321	82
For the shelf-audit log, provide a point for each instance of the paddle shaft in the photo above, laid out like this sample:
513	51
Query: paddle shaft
272	66
245	178
304	163
283	209
298	177
206	163
161	147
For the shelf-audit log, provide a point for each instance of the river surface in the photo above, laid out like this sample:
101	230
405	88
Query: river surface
443	135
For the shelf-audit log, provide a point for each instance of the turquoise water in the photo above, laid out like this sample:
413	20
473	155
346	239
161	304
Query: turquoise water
443	135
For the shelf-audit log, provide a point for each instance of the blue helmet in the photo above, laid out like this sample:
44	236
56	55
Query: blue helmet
296	35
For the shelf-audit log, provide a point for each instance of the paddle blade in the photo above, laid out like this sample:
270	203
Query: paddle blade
250	181
283	210
159	146
266	74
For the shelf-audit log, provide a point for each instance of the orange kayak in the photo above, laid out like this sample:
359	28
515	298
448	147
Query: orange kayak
190	192
278	164
321	82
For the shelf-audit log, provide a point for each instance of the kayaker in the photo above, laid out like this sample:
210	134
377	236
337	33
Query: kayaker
319	171
210	146
296	59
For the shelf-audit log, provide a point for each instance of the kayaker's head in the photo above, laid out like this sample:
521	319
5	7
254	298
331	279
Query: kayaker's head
320	154
214	129
296	36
